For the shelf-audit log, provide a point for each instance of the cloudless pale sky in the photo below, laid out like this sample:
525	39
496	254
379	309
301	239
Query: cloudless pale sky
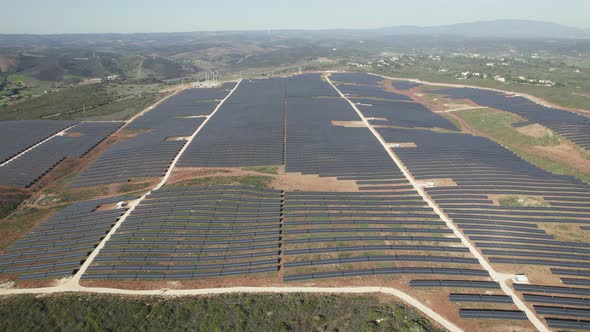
93	16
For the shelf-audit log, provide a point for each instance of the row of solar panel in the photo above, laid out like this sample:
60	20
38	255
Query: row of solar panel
568	124
483	298
246	130
17	136
157	237
150	153
386	247
177	276
59	245
384	271
492	314
29	167
383	258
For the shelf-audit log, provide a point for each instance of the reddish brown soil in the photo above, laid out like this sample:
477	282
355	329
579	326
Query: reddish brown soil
533	130
11	234
259	280
402	145
283	181
72	134
447	182
349	124
565	152
305	182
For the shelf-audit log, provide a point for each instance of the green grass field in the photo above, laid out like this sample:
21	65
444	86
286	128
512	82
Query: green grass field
520	201
497	124
20	223
92	101
572	89
240	312
263	169
246	180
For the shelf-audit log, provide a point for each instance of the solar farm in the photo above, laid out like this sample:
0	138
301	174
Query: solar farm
368	188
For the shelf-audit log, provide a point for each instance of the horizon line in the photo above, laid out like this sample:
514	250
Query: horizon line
296	29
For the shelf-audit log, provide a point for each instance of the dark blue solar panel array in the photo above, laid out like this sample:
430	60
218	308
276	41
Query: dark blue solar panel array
480	298
570	324
405	85
17	136
195	232
354	85
151	152
573	126
507	234
557	303
77	141
309	85
481	167
57	247
455	284
316	146
247	130
401	114
376	233
389	109
493	314
562	311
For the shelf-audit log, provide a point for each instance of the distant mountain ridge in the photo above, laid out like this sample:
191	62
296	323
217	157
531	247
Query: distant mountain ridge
494	29
501	29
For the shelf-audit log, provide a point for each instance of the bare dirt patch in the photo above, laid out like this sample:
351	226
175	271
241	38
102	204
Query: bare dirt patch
458	105
518	200
349	124
6	284
186	173
177	138
108	207
71	134
537	274
306	182
126	134
254	280
565	152
534	130
566	232
440	104
446	182
281	181
401	145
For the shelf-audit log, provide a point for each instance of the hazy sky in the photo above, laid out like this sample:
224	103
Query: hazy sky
79	16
